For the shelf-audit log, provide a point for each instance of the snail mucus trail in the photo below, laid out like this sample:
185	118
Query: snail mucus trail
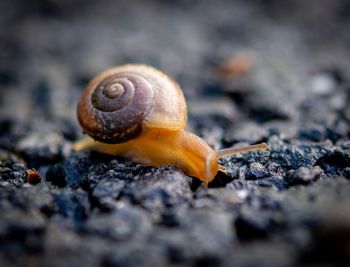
138	112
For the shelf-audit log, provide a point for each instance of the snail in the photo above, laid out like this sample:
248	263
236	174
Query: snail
138	112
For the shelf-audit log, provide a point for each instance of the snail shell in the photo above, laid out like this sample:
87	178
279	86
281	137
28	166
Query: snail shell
122	102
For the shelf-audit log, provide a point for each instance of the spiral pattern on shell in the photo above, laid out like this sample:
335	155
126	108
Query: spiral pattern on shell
111	110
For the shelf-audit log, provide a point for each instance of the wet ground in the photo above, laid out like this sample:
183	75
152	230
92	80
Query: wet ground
289	206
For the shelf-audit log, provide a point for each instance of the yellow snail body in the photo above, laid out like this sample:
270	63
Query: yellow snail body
138	112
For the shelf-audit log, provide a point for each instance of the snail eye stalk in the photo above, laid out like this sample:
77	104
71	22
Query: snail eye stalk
234	150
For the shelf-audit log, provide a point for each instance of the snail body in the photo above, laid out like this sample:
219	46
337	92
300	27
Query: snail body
138	112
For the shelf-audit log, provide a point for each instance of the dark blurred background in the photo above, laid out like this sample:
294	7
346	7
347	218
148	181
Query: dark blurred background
50	49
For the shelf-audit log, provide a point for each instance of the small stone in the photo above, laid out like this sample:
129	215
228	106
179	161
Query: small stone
121	224
73	205
12	170
303	175
42	148
256	171
323	84
33	176
162	188
70	171
108	188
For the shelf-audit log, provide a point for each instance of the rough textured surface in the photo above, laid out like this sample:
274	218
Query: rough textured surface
289	206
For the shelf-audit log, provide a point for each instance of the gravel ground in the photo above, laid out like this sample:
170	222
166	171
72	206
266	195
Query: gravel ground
289	206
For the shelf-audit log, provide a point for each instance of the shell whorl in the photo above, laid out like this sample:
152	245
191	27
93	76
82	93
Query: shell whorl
111	110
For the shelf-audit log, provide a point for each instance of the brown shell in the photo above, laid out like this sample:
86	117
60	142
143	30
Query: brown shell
121	102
